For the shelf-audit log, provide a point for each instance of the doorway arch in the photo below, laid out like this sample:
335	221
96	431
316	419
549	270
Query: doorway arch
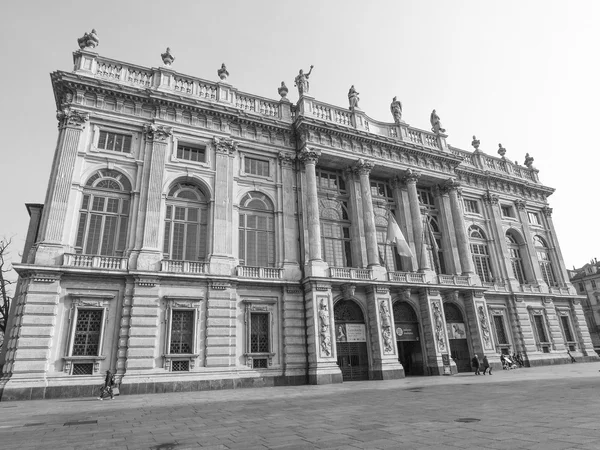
457	335
410	352
351	340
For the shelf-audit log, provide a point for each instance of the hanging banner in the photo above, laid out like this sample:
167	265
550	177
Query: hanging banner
456	330
407	332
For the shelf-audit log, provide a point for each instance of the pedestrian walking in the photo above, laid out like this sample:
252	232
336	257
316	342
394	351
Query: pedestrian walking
475	362
486	365
107	387
571	356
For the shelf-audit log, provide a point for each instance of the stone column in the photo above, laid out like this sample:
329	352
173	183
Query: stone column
434	330
410	178
449	245
499	242
530	262
150	254
290	224
462	240
362	169
51	239
221	260
494	239
581	330
403	216
316	265
560	270
221	321
384	351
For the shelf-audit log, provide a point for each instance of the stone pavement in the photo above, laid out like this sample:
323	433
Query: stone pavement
551	407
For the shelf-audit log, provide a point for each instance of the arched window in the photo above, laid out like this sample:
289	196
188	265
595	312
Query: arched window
104	214
185	224
543	256
515	257
257	231
481	256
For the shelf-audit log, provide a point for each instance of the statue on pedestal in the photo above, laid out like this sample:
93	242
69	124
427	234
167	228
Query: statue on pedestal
396	109
222	72
353	98
167	57
436	124
475	143
301	81
501	151
528	161
89	40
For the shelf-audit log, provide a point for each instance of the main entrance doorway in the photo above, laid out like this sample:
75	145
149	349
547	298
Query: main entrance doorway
351	341
410	354
457	334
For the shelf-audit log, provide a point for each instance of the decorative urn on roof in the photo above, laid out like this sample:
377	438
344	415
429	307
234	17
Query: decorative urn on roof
222	72
88	40
167	57
283	90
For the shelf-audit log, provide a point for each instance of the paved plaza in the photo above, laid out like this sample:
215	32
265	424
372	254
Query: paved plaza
552	407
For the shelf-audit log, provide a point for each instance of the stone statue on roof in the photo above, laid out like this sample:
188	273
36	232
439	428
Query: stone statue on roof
436	124
396	110
89	40
528	161
301	81
353	98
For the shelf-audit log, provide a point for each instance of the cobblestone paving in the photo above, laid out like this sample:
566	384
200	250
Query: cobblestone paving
555	407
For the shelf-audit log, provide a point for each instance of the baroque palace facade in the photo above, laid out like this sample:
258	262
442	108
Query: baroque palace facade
197	237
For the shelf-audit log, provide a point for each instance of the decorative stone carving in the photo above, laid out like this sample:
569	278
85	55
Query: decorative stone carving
219	285
309	156
222	72
225	145
528	161
286	159
348	291
436	124
363	167
353	98
325	334
405	294
501	151
301	81
396	110
88	40
147	282
411	176
71	117
485	327
379	289
438	326
547	211
282	90
490	198
386	327
475	143
520	204
451	184
158	133
167	58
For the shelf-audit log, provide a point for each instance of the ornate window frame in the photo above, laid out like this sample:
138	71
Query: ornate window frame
502	311
269	161
566	312
546	346
96	129
193	143
86	301
185	303
258	306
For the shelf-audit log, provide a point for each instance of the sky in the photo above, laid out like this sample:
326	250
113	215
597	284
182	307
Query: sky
524	74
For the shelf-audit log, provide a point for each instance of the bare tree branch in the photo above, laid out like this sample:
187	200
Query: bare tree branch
5	297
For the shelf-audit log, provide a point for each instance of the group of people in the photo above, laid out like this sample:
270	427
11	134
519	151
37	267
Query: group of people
484	364
508	362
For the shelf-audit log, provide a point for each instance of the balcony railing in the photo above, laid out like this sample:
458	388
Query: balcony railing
559	290
456	280
264	273
530	288
350	273
492	286
170	265
95	262
406	277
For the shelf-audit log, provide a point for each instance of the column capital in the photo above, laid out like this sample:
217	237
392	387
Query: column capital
411	176
157	133
225	146
491	199
363	167
309	155
286	159
547	211
520	204
451	184
71	117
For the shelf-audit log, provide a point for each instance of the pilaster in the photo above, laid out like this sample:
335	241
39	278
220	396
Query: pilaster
531	259
581	330
449	244
558	341
479	324
290	224
221	330
434	330
294	334
555	252
462	240
522	327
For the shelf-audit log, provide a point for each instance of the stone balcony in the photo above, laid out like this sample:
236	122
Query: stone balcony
95	262
454	280
262	273
350	273
406	277
197	267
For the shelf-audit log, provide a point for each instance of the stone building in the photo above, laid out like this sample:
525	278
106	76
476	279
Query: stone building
587	282
197	237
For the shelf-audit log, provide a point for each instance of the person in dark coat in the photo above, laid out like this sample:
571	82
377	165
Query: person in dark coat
486	365
106	389
475	362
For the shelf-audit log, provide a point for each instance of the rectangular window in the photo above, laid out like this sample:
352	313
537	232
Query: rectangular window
534	219
336	244
500	330
330	181
507	211
593	284
114	142
88	329
541	329
258	167
195	154
259	333
471	206
182	332
380	189
564	320
481	260
426	198
581	287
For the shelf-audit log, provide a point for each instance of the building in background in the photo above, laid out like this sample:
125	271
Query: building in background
587	282
197	237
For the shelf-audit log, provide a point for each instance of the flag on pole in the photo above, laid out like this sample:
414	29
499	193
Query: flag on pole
395	236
